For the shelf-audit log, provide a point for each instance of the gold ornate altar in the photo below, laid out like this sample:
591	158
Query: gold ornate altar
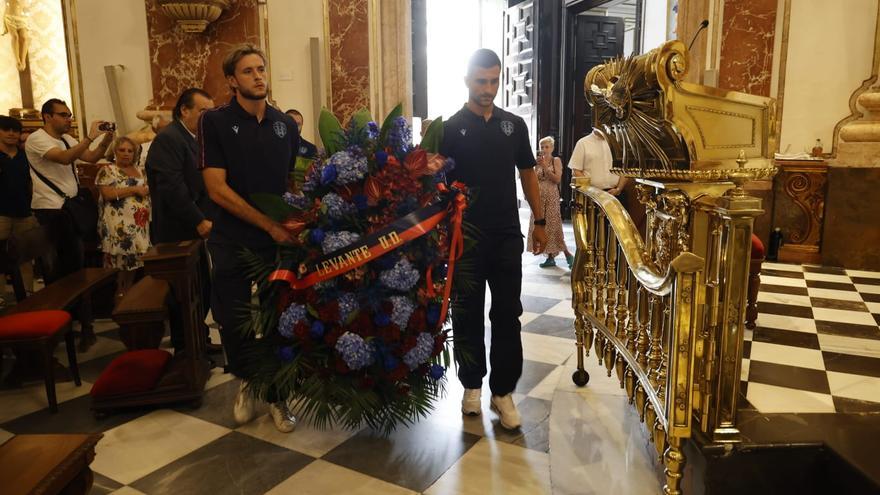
664	309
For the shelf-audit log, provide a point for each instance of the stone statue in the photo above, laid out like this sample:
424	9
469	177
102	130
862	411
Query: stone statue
15	23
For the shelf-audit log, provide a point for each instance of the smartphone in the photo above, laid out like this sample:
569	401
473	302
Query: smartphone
107	126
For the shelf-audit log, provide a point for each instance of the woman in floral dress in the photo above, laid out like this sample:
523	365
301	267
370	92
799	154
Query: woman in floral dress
124	226
549	172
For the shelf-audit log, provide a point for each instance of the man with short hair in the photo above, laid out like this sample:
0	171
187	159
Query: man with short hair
15	194
489	145
180	201
181	207
306	149
246	147
52	153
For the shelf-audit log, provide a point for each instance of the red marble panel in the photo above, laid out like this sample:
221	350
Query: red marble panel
179	60
349	56
748	30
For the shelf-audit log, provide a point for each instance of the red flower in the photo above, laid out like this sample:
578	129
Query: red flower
399	373
417	163
141	216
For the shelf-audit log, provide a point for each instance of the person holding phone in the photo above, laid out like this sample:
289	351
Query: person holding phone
52	153
549	172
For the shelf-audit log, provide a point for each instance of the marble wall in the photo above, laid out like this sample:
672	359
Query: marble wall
746	62
179	60
349	56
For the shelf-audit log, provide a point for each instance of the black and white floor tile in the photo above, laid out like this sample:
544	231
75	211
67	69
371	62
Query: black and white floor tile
816	349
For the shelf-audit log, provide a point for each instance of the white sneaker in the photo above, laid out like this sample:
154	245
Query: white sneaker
243	410
506	410
285	421
470	403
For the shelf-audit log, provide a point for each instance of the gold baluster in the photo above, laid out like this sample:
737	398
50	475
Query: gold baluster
590	255
659	438
632	313
650	418
611	281
655	351
620	309
599	346
629	383
643	339
674	460
620	367
641	399
610	356
599	279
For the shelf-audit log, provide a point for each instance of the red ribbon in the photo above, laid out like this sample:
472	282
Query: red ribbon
456	247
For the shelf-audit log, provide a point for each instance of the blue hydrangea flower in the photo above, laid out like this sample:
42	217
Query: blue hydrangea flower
372	131
381	319
436	372
354	351
329	173
403	309
432	315
317	330
287	354
390	362
294	314
421	352
381	158
338	240
402	277
400	136
348	305
337	207
316	236
350	166
296	200
360	202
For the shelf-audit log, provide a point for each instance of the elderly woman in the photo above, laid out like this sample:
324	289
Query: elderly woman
549	172
125	212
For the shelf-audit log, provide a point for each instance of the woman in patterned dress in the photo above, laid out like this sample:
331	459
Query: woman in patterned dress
124	226
549	171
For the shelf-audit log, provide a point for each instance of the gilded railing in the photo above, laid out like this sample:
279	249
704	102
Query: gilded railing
664	308
666	313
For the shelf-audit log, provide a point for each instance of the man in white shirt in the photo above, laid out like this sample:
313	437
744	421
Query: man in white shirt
52	152
591	158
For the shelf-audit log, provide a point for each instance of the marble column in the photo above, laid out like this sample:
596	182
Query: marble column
748	31
349	56
179	60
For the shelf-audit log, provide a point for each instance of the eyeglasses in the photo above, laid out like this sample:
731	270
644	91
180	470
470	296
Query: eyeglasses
63	115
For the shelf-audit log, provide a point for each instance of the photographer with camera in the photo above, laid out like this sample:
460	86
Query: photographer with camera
52	154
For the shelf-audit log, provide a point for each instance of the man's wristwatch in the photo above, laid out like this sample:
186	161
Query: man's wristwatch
540	221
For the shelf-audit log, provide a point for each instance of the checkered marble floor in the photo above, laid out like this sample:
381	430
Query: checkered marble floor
816	348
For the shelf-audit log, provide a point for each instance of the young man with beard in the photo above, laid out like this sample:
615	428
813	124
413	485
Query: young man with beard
489	145
52	153
246	147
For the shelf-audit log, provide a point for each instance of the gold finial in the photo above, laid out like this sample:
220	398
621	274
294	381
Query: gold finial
739	176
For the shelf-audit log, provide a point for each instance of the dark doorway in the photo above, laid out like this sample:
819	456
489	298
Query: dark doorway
590	40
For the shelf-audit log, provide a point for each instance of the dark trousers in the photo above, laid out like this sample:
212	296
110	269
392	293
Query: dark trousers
230	295
68	243
496	260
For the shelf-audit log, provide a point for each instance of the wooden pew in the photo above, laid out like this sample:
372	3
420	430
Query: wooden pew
142	314
48	464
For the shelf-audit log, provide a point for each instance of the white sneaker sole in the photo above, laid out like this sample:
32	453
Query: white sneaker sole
501	418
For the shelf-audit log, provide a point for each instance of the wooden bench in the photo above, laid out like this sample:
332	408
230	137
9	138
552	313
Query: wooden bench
72	293
47	464
142	314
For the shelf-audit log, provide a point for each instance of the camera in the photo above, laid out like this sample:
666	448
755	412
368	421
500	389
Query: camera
107	126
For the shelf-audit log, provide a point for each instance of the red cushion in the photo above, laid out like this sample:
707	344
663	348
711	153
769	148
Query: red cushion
757	248
32	324
132	372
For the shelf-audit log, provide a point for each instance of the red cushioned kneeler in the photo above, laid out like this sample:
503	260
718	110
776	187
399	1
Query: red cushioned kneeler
131	373
32	324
